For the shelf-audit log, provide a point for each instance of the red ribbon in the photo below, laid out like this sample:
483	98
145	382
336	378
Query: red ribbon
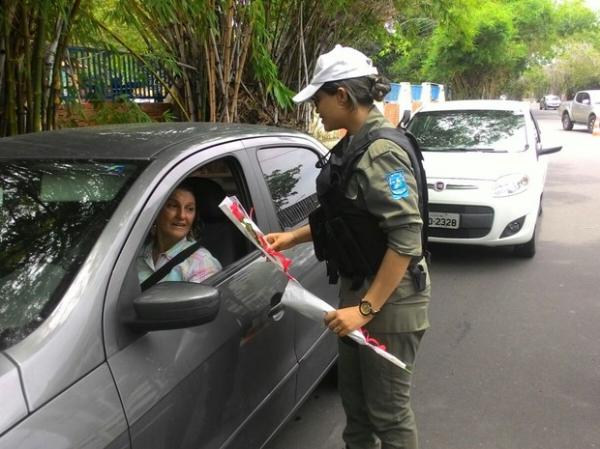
285	262
372	341
239	214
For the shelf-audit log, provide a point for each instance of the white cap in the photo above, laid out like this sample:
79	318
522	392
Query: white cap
339	64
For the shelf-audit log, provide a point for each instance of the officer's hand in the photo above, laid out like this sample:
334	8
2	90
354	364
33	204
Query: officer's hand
343	321
280	240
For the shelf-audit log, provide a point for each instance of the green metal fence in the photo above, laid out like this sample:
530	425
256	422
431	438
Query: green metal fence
90	74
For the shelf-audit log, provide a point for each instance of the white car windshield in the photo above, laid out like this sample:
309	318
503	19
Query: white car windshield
494	131
51	214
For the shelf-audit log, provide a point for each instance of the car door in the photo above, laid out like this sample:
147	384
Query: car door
289	171
581	107
217	384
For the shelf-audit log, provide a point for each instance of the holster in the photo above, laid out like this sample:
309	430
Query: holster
418	275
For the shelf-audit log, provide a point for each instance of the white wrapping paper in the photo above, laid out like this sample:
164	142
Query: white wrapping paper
295	296
304	302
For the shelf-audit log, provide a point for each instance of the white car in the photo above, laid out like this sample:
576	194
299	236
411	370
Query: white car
484	172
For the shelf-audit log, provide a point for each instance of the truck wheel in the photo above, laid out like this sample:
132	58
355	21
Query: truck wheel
590	124
567	124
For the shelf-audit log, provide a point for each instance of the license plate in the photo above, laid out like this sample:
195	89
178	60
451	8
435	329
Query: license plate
443	220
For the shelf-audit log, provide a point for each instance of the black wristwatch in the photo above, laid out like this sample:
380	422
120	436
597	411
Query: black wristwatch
366	308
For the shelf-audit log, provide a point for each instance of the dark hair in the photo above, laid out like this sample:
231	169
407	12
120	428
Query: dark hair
363	90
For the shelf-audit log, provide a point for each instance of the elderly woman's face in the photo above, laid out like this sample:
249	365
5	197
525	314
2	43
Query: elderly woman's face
177	215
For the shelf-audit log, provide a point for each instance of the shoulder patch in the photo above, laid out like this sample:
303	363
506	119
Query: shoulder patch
397	184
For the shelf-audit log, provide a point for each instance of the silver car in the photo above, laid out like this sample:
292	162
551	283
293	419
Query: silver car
550	102
88	360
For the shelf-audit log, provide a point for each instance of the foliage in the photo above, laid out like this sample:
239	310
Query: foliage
242	60
121	110
574	62
33	38
486	48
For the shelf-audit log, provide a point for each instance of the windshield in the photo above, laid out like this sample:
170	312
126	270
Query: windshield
473	130
552	98
51	214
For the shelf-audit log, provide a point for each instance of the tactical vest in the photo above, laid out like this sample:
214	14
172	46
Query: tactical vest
349	239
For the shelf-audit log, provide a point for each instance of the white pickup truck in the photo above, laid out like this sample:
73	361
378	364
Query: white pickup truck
584	110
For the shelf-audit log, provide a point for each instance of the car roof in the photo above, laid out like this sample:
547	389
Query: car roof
466	105
124	142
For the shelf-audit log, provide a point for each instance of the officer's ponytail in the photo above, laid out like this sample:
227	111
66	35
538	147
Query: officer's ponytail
380	87
363	90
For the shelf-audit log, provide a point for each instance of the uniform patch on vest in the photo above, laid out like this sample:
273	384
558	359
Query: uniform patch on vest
397	184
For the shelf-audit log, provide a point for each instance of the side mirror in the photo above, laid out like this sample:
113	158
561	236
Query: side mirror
550	150
405	119
175	305
585	101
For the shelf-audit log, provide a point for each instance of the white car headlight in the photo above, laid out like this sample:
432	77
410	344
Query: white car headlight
511	185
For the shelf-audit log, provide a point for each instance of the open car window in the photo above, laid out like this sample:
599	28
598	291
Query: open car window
221	244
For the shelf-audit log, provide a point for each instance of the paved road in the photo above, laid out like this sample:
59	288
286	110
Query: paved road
513	358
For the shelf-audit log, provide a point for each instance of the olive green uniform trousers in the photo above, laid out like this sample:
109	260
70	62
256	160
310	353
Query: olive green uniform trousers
376	394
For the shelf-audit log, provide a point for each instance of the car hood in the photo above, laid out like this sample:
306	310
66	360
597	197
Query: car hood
474	165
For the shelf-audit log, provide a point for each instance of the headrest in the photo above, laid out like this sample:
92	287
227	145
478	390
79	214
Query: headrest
208	194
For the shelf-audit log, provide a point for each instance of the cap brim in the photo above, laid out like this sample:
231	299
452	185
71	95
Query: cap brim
307	93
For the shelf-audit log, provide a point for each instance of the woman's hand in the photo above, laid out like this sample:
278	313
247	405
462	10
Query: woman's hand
343	321
281	240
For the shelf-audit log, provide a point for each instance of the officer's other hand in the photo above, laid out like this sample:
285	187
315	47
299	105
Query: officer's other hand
280	240
343	321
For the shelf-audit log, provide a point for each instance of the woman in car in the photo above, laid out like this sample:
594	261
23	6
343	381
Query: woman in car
171	234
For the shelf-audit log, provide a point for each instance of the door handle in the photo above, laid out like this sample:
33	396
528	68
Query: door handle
277	309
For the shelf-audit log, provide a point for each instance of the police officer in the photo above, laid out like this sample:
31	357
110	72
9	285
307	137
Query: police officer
368	229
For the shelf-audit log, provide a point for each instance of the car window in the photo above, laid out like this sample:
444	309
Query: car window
221	244
470	130
52	213
291	175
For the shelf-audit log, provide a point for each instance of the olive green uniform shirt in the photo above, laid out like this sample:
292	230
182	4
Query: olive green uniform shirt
406	309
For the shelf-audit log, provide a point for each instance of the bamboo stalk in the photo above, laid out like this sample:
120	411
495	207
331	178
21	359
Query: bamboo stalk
212	108
63	38
227	39
10	102
49	67
240	70
37	69
218	68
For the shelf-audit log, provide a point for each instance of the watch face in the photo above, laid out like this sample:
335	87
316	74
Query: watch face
365	308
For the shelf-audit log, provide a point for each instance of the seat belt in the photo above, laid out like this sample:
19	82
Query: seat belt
166	268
